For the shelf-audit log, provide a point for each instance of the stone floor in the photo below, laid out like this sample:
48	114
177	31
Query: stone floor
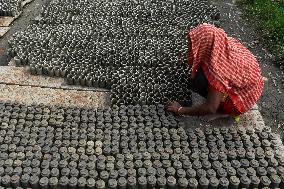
16	84
252	118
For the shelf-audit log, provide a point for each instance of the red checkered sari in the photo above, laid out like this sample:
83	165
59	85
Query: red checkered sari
229	67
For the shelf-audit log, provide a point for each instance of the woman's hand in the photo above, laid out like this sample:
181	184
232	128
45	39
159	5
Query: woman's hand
173	107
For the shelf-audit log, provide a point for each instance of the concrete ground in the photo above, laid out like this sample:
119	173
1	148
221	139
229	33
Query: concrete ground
18	85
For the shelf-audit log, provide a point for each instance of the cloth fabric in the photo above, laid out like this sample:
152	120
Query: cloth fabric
229	67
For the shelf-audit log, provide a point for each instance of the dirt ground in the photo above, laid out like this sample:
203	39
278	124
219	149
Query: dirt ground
272	101
31	10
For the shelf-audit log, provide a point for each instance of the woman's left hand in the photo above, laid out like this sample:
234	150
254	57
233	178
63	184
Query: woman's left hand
173	106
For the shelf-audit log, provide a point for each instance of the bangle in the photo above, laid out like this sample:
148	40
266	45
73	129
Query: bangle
179	109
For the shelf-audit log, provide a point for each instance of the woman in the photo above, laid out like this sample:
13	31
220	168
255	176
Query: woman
223	71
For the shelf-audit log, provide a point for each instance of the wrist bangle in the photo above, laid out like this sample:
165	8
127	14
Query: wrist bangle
179	109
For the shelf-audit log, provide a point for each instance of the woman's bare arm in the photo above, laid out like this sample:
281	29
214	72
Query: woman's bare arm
210	106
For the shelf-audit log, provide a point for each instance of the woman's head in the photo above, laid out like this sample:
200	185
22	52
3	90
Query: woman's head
202	40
